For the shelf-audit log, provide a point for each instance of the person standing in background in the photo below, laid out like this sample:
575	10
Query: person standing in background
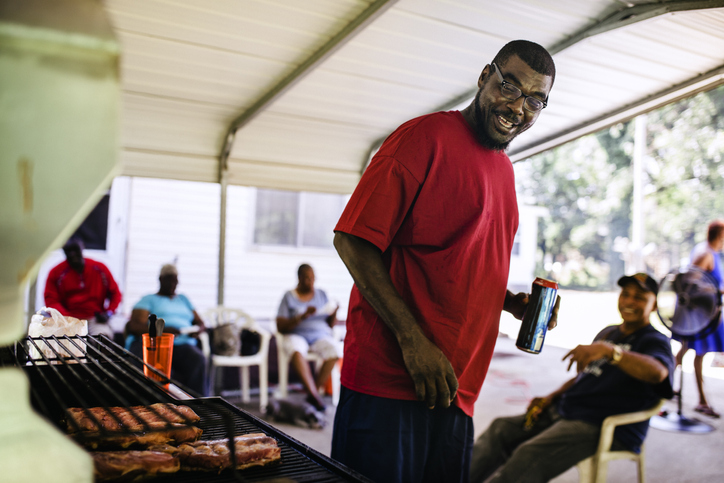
83	288
706	256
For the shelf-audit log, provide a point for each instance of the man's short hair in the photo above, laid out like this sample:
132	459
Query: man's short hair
74	243
716	228
535	55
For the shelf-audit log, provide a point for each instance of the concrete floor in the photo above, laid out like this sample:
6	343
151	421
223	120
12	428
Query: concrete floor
515	377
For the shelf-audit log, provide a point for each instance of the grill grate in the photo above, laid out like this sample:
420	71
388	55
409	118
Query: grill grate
93	371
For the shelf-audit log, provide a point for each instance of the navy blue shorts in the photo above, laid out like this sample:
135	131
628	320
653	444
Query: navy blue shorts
389	440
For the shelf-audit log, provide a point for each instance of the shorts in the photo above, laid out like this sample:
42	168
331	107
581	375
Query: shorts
326	347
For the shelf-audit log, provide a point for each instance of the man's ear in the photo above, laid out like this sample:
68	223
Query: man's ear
483	75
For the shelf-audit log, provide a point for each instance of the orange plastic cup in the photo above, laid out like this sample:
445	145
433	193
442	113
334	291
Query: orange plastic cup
158	353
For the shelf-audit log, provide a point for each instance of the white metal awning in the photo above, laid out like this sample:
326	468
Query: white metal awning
314	86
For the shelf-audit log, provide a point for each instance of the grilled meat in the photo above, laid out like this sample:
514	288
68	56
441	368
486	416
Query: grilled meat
132	465
129	419
251	450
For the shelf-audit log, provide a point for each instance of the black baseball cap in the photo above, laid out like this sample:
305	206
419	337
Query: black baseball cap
642	280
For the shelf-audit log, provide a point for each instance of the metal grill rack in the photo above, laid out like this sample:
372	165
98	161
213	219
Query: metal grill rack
89	371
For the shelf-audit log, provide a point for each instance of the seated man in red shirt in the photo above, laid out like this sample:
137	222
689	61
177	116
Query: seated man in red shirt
83	288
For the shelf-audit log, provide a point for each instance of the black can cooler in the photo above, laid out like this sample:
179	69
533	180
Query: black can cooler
537	315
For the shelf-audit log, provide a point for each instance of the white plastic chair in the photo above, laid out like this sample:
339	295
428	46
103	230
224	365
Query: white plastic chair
283	360
595	468
224	315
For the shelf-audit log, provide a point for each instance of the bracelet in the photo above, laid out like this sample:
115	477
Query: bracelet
616	356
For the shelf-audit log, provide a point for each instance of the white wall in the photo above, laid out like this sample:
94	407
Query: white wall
180	220
172	222
257	277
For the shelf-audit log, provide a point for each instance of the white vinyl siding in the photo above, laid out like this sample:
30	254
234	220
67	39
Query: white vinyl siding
173	221
257	276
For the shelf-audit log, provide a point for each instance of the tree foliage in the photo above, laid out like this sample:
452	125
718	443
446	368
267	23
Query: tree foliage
587	186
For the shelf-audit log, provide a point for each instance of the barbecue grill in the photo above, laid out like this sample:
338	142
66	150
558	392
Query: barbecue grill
96	372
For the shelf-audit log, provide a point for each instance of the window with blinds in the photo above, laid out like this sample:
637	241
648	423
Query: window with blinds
297	219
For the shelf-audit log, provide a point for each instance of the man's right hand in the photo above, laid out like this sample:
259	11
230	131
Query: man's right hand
431	372
540	403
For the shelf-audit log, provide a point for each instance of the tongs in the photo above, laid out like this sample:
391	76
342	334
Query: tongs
155	330
155	326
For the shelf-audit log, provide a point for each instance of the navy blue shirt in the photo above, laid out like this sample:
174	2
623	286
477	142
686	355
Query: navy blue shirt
603	390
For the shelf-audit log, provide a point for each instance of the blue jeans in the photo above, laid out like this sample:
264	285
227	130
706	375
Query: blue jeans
390	440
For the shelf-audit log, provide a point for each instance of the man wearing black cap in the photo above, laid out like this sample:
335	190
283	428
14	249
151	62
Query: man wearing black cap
627	368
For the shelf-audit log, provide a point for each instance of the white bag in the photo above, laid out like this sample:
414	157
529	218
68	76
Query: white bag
49	322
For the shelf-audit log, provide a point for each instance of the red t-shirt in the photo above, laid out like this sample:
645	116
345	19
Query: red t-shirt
443	210
82	295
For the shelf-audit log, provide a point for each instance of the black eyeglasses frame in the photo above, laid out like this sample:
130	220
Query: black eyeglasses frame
504	83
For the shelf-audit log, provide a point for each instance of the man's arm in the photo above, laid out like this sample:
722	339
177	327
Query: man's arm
52	295
114	293
431	372
287	324
544	402
639	366
139	322
332	318
705	261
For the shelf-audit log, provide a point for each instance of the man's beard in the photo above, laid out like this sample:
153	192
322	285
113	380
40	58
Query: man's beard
481	133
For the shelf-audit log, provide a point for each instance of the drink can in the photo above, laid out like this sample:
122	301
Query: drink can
537	315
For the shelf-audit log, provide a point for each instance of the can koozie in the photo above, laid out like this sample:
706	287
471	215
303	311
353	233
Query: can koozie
537	315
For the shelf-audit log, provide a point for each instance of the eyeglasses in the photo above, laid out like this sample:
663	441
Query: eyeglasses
512	93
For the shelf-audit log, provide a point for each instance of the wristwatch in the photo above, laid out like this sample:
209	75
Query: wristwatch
616	356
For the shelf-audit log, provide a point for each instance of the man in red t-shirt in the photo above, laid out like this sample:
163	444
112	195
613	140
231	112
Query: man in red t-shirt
427	237
83	288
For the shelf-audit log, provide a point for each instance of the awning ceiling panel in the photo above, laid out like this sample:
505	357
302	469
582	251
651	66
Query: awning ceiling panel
190	67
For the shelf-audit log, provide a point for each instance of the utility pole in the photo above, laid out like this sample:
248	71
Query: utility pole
636	260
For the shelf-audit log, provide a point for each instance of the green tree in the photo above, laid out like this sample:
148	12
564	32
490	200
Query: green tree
685	175
587	187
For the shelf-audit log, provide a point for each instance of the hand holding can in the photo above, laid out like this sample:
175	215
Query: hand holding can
537	315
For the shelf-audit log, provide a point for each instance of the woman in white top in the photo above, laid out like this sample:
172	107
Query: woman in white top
306	320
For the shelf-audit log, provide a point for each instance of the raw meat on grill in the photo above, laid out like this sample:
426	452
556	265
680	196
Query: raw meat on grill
132	465
129	419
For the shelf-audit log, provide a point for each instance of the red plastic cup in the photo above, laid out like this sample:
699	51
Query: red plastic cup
158	353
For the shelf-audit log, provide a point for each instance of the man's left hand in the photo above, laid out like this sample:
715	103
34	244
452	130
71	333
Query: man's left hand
553	323
516	304
102	317
583	355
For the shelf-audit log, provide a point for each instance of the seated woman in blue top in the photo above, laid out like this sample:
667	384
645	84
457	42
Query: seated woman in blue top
306	320
189	364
